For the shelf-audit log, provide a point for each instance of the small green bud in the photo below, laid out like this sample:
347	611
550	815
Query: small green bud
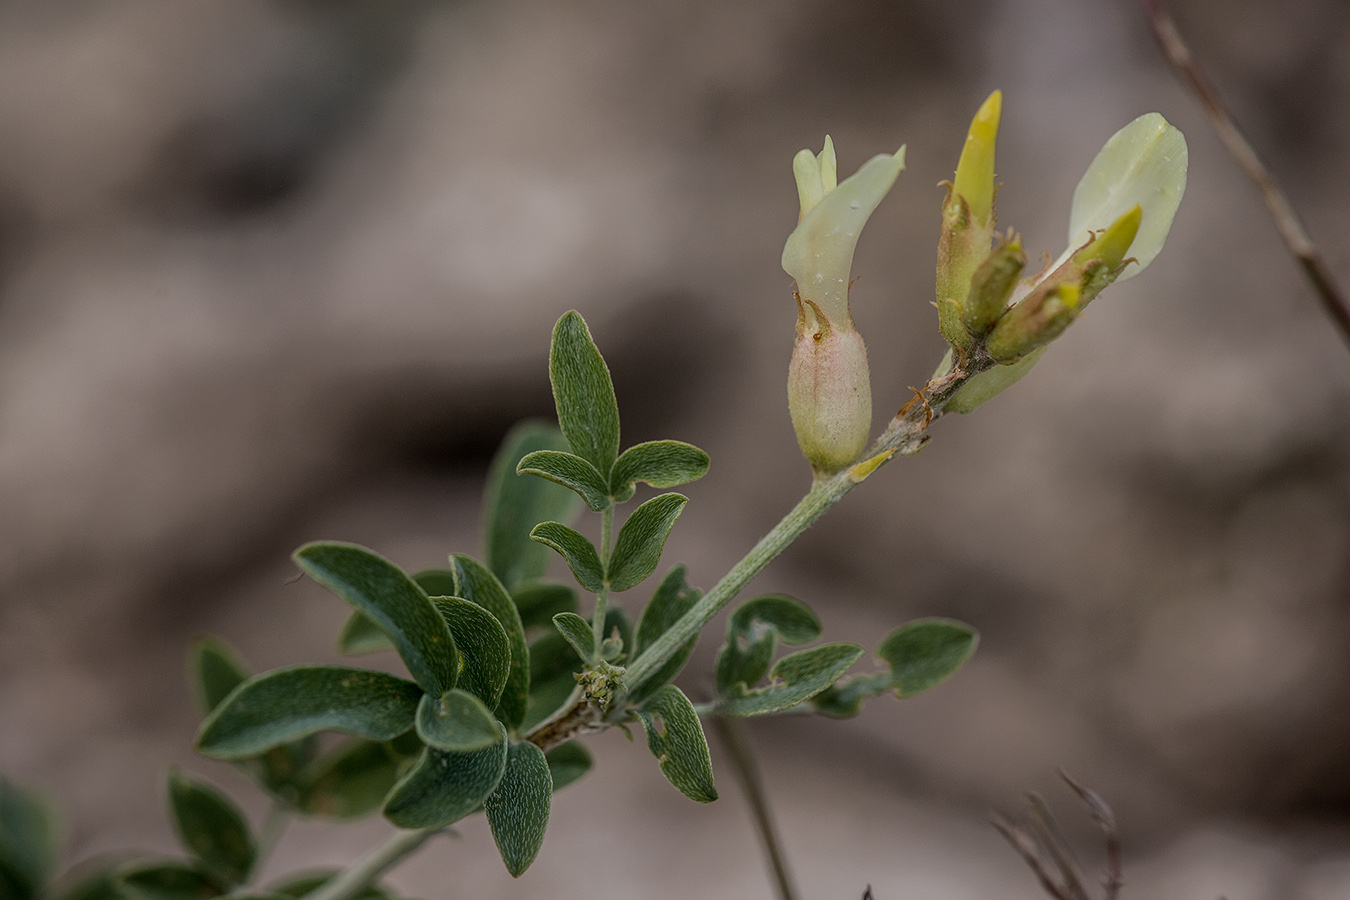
1035	321
992	286
950	323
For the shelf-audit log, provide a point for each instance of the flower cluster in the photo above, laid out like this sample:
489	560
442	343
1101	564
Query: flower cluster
996	321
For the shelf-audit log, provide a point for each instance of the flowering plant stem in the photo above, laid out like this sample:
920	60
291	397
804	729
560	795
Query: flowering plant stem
602	598
905	435
351	881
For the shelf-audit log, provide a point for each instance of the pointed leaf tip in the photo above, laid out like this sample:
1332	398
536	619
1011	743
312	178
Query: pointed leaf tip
975	171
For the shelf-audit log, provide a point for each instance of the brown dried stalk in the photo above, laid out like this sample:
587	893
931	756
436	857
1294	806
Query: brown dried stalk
1286	220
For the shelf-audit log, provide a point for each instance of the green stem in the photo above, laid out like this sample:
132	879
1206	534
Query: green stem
602	598
906	434
351	881
746	767
823	494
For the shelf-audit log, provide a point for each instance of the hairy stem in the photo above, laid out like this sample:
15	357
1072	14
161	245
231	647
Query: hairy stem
351	881
746	767
602	598
904	435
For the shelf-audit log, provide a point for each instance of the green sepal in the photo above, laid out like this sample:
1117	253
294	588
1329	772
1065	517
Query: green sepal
570	471
579	553
458	722
539	601
484	650
166	881
517	811
348	781
513	504
392	600
445	787
675	737
476	583
212	829
359	635
752	636
578	634
567	763
795	679
216	669
583	392
30	842
926	652
950	323
280	706
641	540
672	599
662	464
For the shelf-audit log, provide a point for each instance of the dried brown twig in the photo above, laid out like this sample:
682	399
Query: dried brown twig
1286	220
1047	852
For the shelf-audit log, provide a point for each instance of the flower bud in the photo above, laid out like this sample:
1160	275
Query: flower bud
1035	321
967	219
829	391
992	286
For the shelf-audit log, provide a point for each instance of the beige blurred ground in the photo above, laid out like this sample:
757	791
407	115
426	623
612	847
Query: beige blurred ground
275	270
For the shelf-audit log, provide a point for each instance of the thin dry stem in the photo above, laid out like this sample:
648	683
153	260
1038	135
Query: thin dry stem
1047	853
746	767
1291	228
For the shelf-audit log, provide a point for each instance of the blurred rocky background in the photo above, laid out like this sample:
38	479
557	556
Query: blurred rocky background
277	270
